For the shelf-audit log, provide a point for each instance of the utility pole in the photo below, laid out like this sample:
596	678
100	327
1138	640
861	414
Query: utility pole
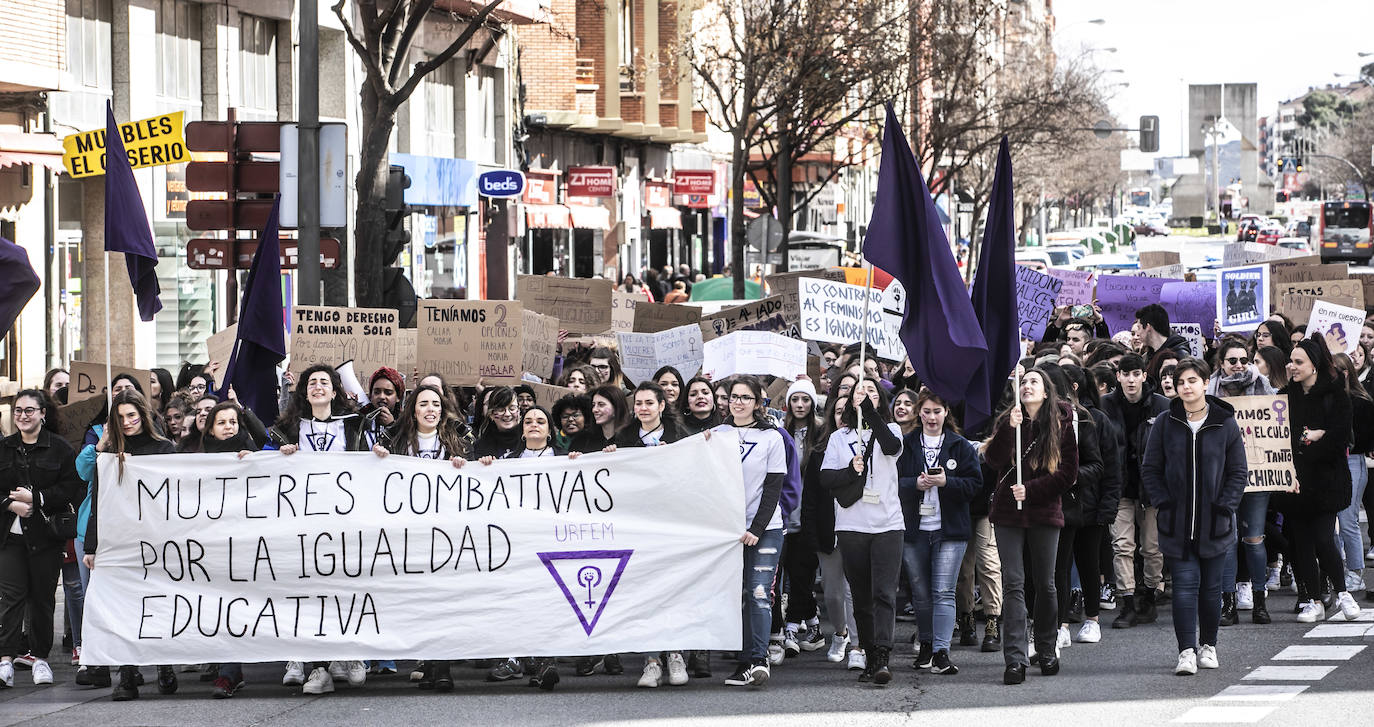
308	156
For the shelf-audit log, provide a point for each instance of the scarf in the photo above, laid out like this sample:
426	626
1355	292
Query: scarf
1238	383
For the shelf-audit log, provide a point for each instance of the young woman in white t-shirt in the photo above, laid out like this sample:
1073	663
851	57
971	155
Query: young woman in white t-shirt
869	530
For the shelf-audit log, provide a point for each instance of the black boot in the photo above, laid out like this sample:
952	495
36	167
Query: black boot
166	680
1259	614
992	635
881	673
1076	612
870	663
1146	612
98	676
440	676
1128	617
1015	674
127	688
966	627
699	664
1228	609
1303	598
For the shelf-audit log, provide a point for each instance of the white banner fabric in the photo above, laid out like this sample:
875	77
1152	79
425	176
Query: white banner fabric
207	558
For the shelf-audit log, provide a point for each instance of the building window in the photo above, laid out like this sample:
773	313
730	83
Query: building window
440	104
627	45
258	65
488	78
178	48
88	42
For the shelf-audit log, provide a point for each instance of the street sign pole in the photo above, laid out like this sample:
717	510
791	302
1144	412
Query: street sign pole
308	165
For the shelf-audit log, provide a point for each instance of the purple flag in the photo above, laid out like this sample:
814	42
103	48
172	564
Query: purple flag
261	341
126	222
939	329
18	283
994	297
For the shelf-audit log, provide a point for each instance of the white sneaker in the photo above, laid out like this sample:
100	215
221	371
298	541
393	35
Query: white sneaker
1187	663
1273	583
1064	641
1245	597
42	673
857	660
838	644
1312	612
1370	555
677	669
295	674
758	674
790	647
320	682
1090	632
1207	657
6	673
1354	581
775	653
652	676
338	670
1349	609
355	672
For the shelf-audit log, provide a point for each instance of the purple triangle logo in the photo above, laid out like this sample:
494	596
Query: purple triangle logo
583	576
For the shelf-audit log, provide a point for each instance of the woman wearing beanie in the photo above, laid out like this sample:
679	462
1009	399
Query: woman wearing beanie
385	391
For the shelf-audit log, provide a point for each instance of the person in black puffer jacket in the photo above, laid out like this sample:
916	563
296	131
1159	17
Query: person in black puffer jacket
1361	444
1098	504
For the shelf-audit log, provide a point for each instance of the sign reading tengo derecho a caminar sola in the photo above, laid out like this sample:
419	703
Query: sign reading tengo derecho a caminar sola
207	558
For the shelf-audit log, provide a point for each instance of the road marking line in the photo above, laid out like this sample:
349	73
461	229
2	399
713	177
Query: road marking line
1260	692
1229	714
1289	673
1337	631
1366	616
1342	652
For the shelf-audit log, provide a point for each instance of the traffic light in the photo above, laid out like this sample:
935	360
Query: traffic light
397	292
1149	134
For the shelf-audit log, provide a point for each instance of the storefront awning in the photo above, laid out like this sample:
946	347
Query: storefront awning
17	147
590	217
547	216
665	218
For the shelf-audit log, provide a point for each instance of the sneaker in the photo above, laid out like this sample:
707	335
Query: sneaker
1370	555
76	656
907	614
6	674
1312	612
838	644
940	664
1207	657
1063	640
1245	597
356	673
545	677
166	680
1187	663
320	682
1354	581
925	656
338	670
42	673
83	676
418	673
759	674
742	676
811	638
586	665
790	646
224	688
776	653
677	669
1089	633
652	676
24	662
1349	609
857	660
611	665
1272	583
506	671
1107	600
295	674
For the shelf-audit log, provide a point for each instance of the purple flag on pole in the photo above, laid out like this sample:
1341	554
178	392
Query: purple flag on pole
939	329
18	283
261	341
126	222
994	297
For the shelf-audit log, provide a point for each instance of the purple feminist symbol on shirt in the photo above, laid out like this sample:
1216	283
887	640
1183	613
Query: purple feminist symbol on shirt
572	572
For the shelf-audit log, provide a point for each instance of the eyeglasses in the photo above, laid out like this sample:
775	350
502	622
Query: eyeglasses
602	367
1234	361
196	387
741	398
27	411
570	415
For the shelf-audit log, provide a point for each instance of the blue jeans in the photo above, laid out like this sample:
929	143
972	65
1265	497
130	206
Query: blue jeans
932	566
74	596
1349	518
1197	600
756	605
1250	520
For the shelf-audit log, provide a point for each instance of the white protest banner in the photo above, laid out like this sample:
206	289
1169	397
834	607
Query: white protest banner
1264	426
1339	325
757	353
1036	294
643	354
1192	333
1242	297
1078	286
343	556
833	312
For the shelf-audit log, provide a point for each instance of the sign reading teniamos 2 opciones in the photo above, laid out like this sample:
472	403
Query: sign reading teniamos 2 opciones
343	556
833	312
148	143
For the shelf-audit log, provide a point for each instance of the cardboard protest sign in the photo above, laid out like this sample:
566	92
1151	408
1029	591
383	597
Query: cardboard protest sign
754	352
1339	325
1077	286
540	334
786	285
470	340
1242	297
643	354
1191	302
1172	272
331	336
1120	296
1159	258
603	340
219	348
834	313
1036	294
1264	426
74	418
406	361
765	314
655	317
1247	253
581	305
546	395
1296	300
88	380
1192	333
623	311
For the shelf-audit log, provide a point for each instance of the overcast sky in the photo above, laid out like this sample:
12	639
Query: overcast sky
1285	46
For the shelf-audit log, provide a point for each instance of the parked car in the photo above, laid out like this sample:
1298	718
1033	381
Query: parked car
1062	256
1150	228
1034	258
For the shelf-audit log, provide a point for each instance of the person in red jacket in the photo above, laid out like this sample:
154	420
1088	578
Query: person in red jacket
1027	516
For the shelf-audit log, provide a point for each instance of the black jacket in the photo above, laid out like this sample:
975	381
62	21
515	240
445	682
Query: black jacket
817	506
590	440
1196	481
279	436
963	482
628	436
137	446
1132	422
493	442
1099	503
1362	434
49	472
1323	471
1090	467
